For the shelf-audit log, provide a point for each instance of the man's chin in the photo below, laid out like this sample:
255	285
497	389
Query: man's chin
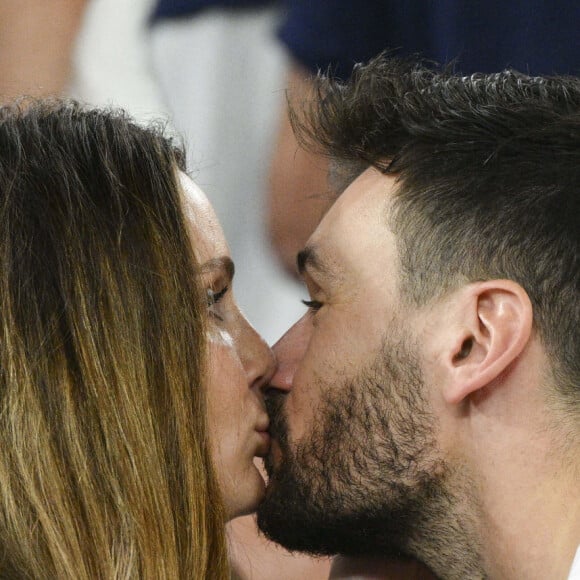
290	516
289	521
306	514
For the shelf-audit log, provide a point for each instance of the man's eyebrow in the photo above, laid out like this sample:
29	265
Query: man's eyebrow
223	263
309	258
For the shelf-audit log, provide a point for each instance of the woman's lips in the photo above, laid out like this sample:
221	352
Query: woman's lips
264	446
263	423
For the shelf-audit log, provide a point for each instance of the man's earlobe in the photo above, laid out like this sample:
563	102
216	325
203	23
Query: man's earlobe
491	326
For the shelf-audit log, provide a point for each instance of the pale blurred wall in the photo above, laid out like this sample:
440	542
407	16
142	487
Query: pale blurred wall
111	64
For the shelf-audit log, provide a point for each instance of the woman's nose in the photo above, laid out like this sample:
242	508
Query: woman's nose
257	358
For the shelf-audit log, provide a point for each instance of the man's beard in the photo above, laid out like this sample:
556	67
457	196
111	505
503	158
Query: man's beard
368	480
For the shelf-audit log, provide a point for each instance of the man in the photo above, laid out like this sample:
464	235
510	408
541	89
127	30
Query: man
428	403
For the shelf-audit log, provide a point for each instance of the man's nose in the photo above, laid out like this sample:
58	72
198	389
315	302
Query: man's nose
289	351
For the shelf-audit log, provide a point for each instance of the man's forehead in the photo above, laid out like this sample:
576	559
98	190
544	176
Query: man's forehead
353	229
365	200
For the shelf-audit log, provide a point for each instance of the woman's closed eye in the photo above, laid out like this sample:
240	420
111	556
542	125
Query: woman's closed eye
213	302
313	305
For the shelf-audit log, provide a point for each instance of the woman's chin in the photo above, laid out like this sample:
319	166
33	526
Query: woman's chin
245	497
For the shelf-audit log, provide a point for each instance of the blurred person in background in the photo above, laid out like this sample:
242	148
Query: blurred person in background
111	64
37	41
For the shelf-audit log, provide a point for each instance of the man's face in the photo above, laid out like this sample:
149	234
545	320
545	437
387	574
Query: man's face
354	464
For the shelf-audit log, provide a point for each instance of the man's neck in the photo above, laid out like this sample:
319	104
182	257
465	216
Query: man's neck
530	519
376	568
522	453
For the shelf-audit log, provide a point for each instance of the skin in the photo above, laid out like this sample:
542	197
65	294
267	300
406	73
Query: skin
355	281
240	364
352	283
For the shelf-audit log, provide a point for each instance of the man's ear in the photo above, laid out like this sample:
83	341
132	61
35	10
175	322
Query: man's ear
486	327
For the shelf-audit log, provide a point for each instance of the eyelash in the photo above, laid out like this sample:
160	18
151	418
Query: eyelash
313	305
213	298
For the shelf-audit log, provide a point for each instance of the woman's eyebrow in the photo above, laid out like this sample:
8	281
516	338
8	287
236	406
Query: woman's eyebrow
223	263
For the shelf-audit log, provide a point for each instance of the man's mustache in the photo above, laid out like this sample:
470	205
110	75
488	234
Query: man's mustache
278	426
275	409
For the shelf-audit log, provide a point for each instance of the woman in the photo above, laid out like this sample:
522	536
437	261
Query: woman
115	310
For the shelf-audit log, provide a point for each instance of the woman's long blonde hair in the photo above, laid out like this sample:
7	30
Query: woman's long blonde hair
104	460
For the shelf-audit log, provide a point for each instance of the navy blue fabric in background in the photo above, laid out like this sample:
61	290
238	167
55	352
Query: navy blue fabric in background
178	8
532	36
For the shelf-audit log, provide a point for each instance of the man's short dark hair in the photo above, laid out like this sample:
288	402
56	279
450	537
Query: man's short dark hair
488	170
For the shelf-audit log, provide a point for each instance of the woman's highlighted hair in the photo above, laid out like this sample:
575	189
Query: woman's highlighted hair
104	461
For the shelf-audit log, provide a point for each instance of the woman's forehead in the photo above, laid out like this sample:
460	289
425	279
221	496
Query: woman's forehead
203	227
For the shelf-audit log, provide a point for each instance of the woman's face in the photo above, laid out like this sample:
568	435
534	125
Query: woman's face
240	364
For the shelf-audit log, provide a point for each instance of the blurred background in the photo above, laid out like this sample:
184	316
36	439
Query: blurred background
216	72
217	79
